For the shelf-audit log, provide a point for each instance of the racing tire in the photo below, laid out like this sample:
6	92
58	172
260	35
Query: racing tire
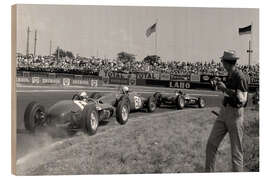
95	95
201	103
122	111
90	119
151	104
180	102
157	96
124	98
34	116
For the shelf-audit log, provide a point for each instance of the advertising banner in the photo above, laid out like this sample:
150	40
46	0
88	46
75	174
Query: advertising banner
180	84
66	82
165	76
179	77
23	80
56	81
118	81
119	75
94	82
207	78
132	79
145	75
195	78
79	82
35	80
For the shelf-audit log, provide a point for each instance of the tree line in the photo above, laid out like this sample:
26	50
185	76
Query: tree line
124	57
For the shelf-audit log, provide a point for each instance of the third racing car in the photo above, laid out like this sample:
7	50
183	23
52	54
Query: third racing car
179	99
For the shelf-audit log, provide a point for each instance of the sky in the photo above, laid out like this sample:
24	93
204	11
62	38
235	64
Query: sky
183	34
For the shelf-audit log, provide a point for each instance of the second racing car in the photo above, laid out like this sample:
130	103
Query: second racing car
135	100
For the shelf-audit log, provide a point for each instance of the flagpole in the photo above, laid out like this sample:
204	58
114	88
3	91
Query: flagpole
249	51
156	39
251	39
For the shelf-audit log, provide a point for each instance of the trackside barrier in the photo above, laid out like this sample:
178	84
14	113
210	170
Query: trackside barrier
54	79
41	81
192	81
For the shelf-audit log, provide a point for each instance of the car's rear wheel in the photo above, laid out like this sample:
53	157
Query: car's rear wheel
201	103
34	116
180	102
90	119
122	111
151	104
157	96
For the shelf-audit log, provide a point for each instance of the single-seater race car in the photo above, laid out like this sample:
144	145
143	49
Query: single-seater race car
79	113
135	101
179	99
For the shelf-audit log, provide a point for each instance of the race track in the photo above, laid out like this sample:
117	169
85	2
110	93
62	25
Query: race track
29	144
49	96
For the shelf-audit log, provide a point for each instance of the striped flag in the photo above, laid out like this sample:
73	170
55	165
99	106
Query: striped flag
150	30
245	30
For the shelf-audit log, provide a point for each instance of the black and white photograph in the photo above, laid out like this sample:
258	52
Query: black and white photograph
135	89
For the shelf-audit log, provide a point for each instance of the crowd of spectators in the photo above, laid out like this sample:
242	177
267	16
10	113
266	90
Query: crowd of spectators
93	65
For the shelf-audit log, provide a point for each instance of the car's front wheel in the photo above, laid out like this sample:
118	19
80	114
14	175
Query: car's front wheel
34	116
122	111
201	103
151	104
180	102
90	119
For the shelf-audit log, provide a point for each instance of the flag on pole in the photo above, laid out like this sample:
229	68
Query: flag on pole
150	30
245	30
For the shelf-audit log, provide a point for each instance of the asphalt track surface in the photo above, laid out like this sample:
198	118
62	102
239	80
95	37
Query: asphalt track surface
47	96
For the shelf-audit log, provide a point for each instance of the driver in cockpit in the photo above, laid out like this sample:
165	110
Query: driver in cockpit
179	92
84	96
124	89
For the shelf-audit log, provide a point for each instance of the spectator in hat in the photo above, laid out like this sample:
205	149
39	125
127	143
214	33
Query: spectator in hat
231	115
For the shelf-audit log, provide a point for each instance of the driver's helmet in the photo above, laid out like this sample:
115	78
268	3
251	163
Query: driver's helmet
83	95
125	89
178	92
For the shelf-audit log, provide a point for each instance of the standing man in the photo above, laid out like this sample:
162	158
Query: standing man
231	115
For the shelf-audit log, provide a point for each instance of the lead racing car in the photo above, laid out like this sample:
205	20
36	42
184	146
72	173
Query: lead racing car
79	113
179	99
135	100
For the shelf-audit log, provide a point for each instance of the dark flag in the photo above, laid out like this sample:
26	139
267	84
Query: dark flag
150	30
245	30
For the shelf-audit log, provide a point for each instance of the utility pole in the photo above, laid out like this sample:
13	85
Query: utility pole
57	52
50	47
35	43
249	51
27	41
